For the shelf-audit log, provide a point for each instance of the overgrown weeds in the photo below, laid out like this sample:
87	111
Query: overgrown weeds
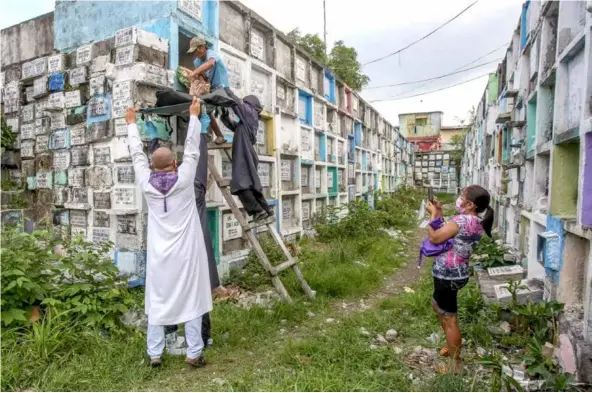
351	252
82	282
534	331
80	295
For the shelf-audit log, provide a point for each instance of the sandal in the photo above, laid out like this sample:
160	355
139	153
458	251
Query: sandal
198	362
155	362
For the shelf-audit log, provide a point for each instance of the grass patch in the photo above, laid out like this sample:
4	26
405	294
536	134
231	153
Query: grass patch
337	357
292	347
87	360
349	269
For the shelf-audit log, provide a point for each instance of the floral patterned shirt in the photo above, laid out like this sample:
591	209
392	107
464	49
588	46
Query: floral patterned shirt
454	264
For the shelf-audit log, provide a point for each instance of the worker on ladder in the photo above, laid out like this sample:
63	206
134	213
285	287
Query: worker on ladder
245	181
210	65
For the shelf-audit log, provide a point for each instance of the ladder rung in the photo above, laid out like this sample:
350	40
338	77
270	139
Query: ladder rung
257	224
285	265
213	146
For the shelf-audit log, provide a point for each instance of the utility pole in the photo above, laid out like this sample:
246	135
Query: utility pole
325	25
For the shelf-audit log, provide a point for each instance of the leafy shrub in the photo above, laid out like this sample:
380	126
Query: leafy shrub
360	222
396	212
489	252
538	320
8	136
83	283
253	276
26	279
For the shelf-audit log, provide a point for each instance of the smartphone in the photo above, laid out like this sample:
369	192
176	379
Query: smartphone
430	194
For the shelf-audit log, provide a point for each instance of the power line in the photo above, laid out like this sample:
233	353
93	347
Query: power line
429	92
457	69
434	78
424	37
485	55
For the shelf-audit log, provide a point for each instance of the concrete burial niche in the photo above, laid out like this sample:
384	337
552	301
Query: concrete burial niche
288	137
233	241
288	173
320	205
307	214
267	176
306	144
285	96
320	180
290	214
306	179
331	150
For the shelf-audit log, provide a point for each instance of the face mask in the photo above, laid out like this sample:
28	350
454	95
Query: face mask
459	208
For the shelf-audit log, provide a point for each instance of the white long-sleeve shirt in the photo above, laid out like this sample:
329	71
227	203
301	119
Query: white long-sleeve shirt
177	276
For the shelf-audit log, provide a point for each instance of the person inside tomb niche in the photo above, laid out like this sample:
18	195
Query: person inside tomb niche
245	182
177	273
209	68
175	345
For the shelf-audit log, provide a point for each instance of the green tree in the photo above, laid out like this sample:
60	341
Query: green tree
312	43
342	59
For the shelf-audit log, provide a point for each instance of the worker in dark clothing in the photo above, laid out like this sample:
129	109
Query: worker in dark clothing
245	181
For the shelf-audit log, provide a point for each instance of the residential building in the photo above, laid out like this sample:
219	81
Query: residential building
447	134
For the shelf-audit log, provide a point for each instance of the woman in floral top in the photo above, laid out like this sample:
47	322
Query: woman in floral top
451	268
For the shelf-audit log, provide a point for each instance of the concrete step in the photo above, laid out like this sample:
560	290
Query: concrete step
532	291
493	284
506	273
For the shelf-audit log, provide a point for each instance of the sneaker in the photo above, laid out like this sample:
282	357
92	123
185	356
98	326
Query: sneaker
208	343
197	363
155	362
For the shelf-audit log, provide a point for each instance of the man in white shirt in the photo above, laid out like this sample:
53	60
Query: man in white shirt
177	275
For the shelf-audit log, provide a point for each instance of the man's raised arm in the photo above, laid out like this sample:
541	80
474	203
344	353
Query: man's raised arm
191	153
139	158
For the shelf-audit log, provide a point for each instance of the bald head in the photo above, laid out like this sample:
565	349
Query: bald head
163	160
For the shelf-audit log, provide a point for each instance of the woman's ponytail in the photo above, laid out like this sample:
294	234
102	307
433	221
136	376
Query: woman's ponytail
487	221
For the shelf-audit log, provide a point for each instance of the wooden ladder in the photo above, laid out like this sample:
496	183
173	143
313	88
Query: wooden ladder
248	230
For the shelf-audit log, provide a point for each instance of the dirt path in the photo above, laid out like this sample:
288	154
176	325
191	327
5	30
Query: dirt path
403	276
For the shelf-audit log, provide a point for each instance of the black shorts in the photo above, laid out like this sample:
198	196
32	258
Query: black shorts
445	297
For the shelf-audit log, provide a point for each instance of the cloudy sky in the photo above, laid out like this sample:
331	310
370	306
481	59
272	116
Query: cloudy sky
379	27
